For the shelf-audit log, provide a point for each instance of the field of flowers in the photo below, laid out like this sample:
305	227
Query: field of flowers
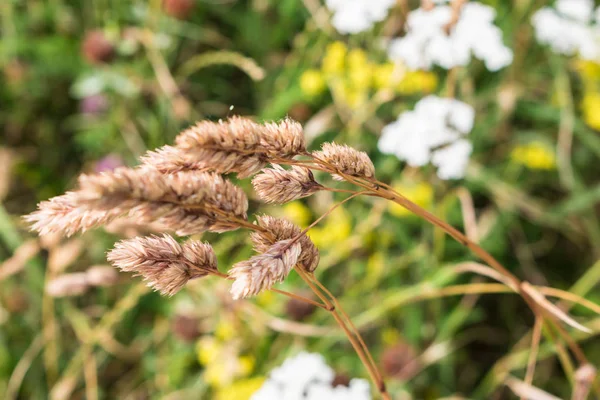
483	115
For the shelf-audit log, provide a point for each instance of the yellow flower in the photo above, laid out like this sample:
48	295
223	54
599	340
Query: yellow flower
591	109
312	83
375	268
240	390
337	228
208	350
354	98
390	336
417	82
225	330
334	59
383	76
357	59
534	155
589	70
362	78
265	298
215	374
297	213
420	193
360	70
246	364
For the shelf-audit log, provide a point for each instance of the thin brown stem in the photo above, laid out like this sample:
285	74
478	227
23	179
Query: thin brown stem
373	372
347	199
350	323
385	191
283	292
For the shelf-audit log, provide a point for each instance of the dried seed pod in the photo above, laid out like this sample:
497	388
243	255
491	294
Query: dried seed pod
279	185
277	229
262	271
346	160
186	202
237	145
164	264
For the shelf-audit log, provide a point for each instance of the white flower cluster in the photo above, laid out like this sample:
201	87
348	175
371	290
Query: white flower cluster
354	16
570	28
427	41
308	377
434	132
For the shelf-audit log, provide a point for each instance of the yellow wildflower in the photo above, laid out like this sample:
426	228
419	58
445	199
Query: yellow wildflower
591	109
354	98
390	336
246	364
420	193
417	82
208	350
215	374
383	76
589	70
297	213
312	82
334	59
375	268
361	78
357	59
240	390
225	330
534	155
265	298
337	228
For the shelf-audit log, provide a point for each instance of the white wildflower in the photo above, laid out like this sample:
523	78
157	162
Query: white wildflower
570	28
307	377
354	16
427	42
433	132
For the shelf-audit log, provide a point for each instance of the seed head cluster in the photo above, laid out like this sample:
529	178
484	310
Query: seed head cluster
186	202
163	262
279	185
237	145
277	229
180	189
346	160
262	271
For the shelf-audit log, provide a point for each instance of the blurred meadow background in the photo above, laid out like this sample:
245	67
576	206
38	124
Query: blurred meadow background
87	86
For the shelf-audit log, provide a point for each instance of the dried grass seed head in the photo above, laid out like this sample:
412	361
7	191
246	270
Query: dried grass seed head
277	229
236	145
346	160
185	202
68	285
279	185
102	275
262	271
164	264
